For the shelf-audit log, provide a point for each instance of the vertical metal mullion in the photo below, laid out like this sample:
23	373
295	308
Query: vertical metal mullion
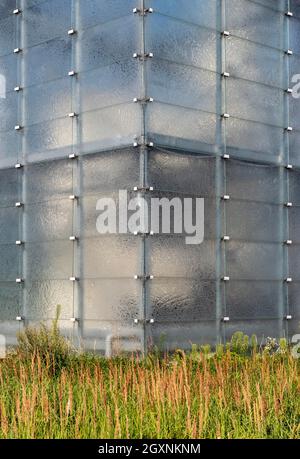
21	154
221	182
143	175
77	300
286	229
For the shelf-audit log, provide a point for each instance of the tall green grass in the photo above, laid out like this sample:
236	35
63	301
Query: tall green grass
48	391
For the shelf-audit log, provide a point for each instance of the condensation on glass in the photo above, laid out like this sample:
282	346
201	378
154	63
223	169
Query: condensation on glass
69	72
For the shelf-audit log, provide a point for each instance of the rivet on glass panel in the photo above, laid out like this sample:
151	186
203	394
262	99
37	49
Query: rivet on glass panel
73	279
142	11
226	238
74	319
72	32
289	317
289	129
226	156
225	115
142	56
225	33
143	101
19	243
73	238
226	197
289	280
72	156
72	73
289	204
18	127
18	204
19	318
289	166
289	13
289	90
226	74
19	280
226	319
18	166
288	242
17	50
289	52
225	278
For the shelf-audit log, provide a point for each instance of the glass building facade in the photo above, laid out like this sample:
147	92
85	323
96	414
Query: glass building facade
224	124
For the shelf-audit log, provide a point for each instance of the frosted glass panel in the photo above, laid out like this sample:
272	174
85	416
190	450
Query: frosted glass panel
49	260
47	61
187	86
8	111
110	127
109	85
9	147
108	43
294	262
176	124
295	35
110	256
9	224
93	12
255	102
202	12
294	301
6	7
254	62
173	335
294	147
260	328
109	171
162	225
182	300
254	137
49	220
43	297
8	38
247	260
252	181
89	212
47	101
253	299
10	301
48	180
170	256
184	173
295	7
8	72
263	25
294	187
111	299
251	221
181	42
48	140
279	5
9	187
10	262
37	19
294	224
